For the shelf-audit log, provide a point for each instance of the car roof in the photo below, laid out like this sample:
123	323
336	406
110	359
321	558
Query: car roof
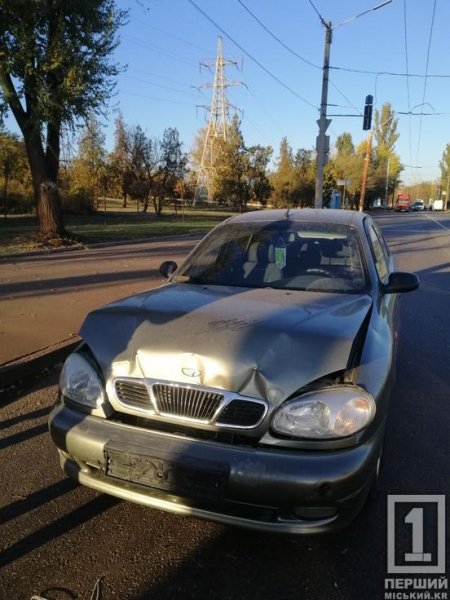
338	216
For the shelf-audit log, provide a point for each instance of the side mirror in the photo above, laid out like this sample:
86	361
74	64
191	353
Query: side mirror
168	268
401	282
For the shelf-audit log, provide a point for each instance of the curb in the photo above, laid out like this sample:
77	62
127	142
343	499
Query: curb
44	252
32	364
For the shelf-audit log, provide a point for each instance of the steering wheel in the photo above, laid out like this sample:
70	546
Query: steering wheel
322	272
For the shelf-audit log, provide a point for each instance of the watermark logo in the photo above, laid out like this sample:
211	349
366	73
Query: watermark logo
416	544
416	534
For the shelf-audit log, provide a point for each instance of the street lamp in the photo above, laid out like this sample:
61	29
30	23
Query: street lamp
323	141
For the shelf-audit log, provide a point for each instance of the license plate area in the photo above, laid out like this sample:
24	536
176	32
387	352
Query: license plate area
167	471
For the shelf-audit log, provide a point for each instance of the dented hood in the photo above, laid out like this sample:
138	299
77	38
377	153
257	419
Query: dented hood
264	343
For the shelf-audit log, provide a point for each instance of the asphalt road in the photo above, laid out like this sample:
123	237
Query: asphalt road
56	535
44	298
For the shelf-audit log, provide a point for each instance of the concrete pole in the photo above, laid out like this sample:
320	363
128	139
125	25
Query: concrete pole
366	171
323	141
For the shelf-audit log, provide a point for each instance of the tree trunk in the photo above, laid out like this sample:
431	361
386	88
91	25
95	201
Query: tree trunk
124	196
44	173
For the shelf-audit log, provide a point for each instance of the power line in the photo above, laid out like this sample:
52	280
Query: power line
293	52
407	79
177	81
155	98
391	73
158	50
166	87
426	80
256	61
322	20
176	37
277	38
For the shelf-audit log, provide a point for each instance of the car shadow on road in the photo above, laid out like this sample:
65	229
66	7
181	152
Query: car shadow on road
36	499
56	528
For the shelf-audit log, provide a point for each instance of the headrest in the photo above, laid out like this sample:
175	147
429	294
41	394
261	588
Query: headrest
253	252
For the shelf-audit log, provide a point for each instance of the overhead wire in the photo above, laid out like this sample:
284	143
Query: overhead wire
407	78
155	98
166	87
251	57
322	20
158	50
176	37
426	80
293	52
308	62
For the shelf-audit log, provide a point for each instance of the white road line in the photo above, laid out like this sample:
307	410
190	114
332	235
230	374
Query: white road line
437	222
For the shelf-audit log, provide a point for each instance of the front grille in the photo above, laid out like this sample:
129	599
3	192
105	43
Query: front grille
241	413
188	403
133	393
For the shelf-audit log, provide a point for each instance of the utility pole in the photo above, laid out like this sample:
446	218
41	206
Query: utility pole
366	170
323	140
219	118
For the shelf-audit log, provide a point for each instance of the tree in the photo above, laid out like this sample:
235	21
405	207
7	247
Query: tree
344	144
304	178
282	179
444	165
12	164
143	157
171	170
119	159
259	188
385	130
231	164
55	68
89	168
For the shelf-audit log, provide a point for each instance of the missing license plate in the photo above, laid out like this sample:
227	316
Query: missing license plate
201	479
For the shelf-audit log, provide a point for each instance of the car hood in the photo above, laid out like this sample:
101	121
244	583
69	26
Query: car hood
263	343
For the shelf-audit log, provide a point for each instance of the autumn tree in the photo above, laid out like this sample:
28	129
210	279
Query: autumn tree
55	69
259	188
344	144
444	165
120	159
171	168
304	178
89	169
282	179
12	165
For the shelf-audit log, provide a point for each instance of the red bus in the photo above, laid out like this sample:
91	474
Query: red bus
403	202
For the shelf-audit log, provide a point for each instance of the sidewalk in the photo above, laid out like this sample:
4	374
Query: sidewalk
44	298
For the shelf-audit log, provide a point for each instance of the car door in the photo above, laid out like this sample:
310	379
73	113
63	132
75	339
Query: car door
385	265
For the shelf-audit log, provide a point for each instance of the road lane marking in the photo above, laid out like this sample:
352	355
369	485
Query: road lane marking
436	221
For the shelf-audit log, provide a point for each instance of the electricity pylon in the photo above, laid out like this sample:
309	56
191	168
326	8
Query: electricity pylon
218	121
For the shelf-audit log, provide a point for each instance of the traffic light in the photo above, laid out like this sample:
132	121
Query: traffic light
367	122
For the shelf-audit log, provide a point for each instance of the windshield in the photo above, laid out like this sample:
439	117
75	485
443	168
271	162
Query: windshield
285	254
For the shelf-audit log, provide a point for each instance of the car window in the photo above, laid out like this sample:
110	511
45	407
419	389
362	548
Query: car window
284	254
380	259
382	239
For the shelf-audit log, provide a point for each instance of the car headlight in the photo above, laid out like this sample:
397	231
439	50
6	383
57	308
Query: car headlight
80	382
329	413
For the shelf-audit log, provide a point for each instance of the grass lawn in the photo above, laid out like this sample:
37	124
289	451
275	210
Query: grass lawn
17	233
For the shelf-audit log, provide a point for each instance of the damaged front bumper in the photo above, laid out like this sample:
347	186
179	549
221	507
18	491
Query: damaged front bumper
259	488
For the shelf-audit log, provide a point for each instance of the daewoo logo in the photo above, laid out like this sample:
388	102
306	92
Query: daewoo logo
191	372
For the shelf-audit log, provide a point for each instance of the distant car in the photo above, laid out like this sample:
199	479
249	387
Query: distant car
402	205
437	205
252	389
418	206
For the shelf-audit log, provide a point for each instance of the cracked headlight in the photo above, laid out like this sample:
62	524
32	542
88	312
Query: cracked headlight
80	382
329	413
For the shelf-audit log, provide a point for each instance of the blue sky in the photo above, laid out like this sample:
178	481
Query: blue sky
165	40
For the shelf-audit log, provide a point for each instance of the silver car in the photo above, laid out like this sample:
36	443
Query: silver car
252	388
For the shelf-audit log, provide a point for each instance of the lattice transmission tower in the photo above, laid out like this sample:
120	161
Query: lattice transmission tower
218	121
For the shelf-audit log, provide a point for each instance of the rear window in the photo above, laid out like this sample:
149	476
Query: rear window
287	254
